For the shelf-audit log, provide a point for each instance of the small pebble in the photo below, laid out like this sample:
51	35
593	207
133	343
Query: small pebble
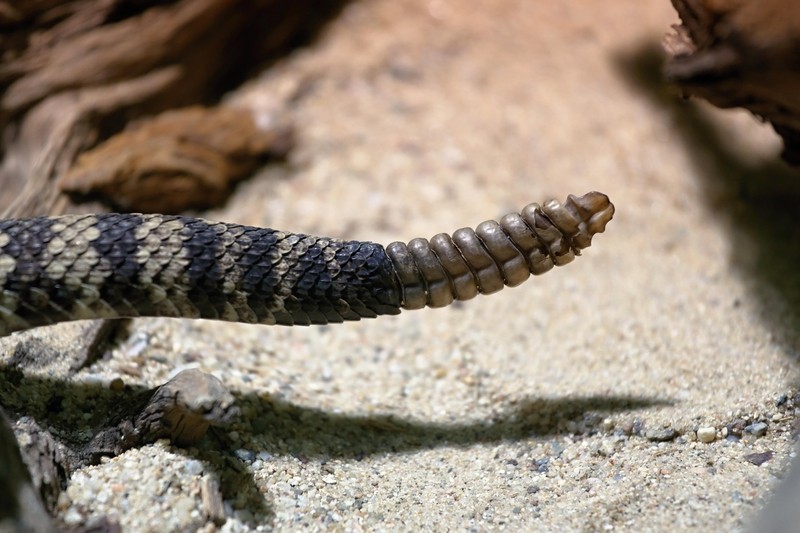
759	459
706	434
264	456
73	517
117	385
183	507
759	429
193	467
735	428
661	435
247	456
211	498
63	501
541	465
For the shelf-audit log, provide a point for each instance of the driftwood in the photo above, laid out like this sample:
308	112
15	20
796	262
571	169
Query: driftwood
73	74
185	159
21	508
741	53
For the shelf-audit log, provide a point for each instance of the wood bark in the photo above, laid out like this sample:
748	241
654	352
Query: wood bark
74	73
741	53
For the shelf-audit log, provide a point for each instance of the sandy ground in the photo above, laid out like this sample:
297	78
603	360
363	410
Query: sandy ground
538	408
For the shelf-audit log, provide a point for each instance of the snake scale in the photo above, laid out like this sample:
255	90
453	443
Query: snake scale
74	267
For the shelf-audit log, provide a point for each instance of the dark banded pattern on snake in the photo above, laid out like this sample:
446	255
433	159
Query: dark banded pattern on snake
55	269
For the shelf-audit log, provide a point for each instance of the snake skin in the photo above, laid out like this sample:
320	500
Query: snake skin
56	269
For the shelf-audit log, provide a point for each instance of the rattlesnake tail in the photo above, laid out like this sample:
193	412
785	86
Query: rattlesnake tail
447	268
73	267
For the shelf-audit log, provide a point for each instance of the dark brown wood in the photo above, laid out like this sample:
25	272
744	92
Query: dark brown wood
21	509
73	74
741	54
181	410
184	159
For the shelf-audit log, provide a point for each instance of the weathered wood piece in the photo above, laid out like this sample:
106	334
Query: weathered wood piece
739	53
74	74
184	159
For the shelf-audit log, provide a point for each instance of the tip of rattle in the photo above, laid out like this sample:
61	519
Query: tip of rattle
595	208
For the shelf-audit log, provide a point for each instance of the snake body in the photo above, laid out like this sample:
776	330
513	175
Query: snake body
73	267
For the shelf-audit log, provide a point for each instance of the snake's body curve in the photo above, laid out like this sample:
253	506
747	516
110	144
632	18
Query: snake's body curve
73	267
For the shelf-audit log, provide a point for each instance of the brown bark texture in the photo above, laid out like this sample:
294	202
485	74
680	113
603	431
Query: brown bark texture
741	53
183	159
73	74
